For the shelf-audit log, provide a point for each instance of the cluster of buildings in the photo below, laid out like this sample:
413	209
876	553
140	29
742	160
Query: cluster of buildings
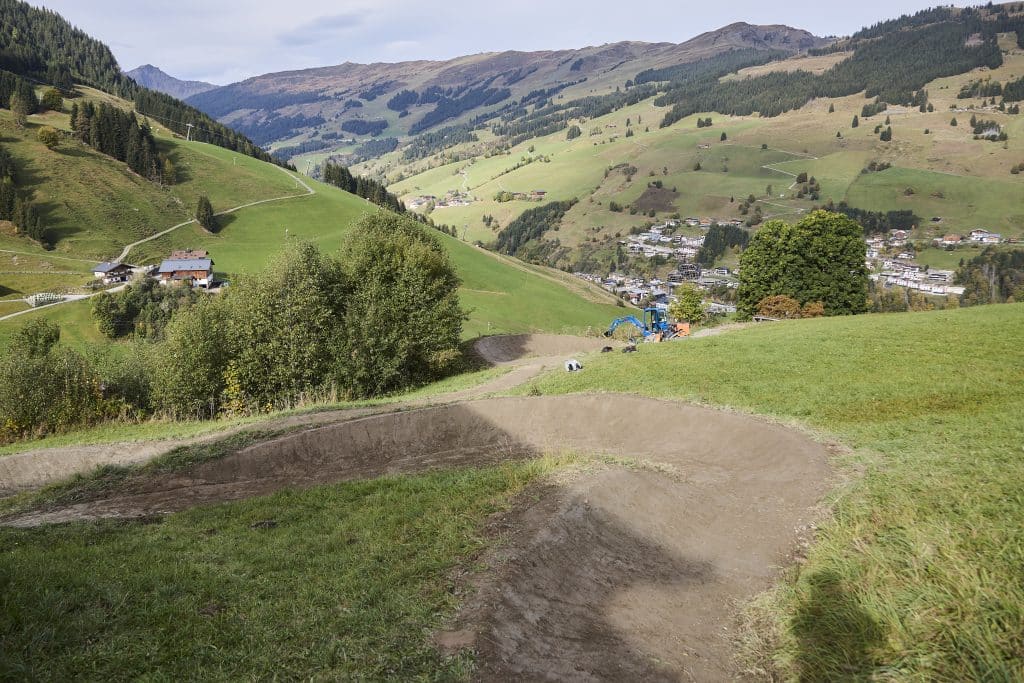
657	241
659	293
450	199
531	196
184	267
978	236
901	270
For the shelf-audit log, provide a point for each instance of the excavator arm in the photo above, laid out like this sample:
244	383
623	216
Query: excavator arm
632	320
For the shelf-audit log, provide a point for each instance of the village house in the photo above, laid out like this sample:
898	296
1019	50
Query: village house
985	237
194	272
113	272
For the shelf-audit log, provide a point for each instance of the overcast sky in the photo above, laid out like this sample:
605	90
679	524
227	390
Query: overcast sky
222	41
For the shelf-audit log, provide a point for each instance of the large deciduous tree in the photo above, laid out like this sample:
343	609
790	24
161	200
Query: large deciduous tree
821	258
402	320
689	305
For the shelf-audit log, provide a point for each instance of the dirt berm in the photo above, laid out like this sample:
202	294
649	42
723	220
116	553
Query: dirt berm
620	573
514	347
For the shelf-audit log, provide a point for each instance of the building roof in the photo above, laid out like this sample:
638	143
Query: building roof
108	266
175	265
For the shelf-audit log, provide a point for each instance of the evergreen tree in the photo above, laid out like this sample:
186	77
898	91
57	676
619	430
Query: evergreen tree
887	134
831	108
20	109
724	137
204	214
856	122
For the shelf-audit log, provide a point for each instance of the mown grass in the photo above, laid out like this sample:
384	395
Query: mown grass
341	582
917	576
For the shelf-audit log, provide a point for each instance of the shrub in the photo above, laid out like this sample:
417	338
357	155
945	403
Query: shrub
779	306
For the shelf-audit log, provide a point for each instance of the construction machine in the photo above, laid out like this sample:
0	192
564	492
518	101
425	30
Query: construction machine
655	326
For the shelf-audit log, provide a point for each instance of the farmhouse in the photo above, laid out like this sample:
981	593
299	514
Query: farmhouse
195	272
110	273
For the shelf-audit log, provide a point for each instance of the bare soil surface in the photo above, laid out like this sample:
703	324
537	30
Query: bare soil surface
516	348
618	573
532	354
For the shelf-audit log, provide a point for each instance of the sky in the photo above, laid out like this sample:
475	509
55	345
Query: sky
224	41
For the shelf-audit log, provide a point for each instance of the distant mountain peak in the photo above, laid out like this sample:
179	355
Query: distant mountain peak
154	78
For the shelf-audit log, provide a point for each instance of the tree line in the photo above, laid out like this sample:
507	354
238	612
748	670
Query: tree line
381	317
367	188
451	107
118	134
875	222
15	205
993	277
364	127
720	238
530	225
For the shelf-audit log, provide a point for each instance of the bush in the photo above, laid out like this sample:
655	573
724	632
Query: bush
779	306
283	325
49	136
45	387
189	366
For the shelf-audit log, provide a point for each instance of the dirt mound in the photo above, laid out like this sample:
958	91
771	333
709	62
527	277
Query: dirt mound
622	573
511	348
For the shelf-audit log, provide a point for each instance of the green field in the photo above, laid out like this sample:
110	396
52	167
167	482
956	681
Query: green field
917	575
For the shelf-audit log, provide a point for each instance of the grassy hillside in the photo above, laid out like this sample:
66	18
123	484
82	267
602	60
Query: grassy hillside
93	206
967	182
102	207
917	575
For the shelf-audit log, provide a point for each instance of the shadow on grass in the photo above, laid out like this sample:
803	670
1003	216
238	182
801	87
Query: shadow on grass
836	635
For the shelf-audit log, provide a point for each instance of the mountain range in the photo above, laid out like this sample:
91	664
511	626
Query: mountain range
284	106
149	76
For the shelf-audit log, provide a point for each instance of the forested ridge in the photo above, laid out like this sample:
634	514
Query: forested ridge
367	188
893	66
531	225
41	46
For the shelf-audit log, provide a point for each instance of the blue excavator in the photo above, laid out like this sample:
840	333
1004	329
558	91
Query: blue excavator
655	326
